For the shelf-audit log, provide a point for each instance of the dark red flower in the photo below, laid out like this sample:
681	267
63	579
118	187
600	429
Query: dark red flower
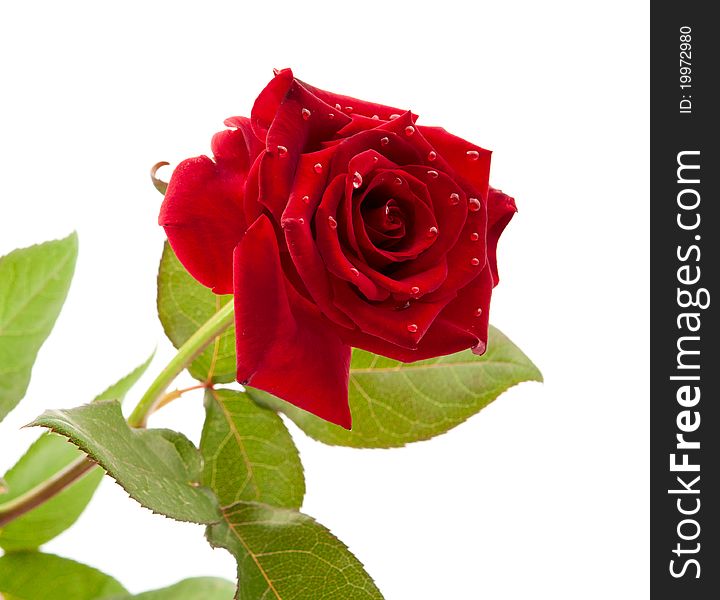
337	222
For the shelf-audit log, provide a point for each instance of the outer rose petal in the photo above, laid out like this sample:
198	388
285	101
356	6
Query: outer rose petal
459	326
203	219
469	161
354	106
283	347
501	209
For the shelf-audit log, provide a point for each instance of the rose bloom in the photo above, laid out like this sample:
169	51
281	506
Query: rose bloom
337	222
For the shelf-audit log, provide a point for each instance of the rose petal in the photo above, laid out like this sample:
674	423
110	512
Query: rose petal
326	231
457	327
282	347
501	209
469	161
203	219
354	106
279	113
399	323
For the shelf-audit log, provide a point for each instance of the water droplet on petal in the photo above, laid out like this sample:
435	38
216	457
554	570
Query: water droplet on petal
454	198
398	181
355	272
301	221
409	130
473	154
474	204
474	237
331	115
474	261
414	290
394	116
385	141
306	114
348	109
376	117
317	167
306	199
432	232
433	174
432	155
376	158
356	180
338	106
282	150
412	328
333	223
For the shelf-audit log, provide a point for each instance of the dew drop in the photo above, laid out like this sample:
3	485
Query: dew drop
333	224
376	117
409	130
338	106
394	116
432	232
414	290
385	141
478	311
433	174
474	261
355	272
356	180
301	221
331	115
454	198
398	181
473	154
432	155
348	109
376	158
306	114
282	150
474	237
317	168
306	199
474	204
412	328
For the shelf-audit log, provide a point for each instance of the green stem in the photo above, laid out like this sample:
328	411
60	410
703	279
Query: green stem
213	327
47	489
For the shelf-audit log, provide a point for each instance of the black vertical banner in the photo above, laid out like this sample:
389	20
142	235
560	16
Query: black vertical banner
685	300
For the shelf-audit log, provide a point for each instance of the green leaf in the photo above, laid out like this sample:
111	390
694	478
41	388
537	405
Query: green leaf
34	282
159	468
37	576
396	403
183	306
49	455
119	389
196	588
249	454
286	555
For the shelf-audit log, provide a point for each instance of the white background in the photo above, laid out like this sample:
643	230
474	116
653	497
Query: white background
544	493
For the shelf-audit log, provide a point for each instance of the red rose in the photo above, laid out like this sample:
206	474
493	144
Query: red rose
337	222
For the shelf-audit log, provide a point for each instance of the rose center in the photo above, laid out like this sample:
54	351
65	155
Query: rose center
385	221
